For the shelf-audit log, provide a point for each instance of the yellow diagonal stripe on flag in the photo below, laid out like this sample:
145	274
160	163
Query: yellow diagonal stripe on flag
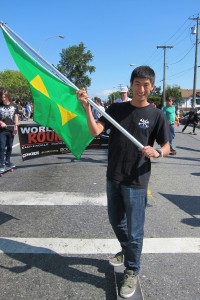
38	84
66	115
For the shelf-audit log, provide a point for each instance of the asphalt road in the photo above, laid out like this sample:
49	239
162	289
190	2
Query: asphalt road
55	238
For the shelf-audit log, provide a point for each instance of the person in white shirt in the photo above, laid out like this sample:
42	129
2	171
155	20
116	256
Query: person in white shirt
123	95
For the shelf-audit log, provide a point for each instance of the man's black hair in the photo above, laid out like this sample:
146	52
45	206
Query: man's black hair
143	72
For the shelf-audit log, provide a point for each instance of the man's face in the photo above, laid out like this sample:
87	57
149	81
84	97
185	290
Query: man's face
141	88
124	95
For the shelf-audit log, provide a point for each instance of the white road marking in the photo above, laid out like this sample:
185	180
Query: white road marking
171	245
54	198
94	246
16	145
80	246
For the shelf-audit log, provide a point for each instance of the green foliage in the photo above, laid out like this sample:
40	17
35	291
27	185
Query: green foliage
113	96
74	65
16	84
174	92
155	99
156	91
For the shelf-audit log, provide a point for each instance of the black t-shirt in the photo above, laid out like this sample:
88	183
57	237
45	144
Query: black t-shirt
126	164
7	115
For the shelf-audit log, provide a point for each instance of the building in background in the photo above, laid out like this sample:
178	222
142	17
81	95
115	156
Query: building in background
187	96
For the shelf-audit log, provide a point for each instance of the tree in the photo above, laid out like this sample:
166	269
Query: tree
113	96
156	97
174	92
156	91
74	65
16	84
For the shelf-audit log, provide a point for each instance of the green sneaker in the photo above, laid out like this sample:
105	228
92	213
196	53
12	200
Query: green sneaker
2	168
117	260
10	165
128	284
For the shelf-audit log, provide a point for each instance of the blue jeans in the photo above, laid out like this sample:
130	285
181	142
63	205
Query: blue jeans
6	143
126	212
172	135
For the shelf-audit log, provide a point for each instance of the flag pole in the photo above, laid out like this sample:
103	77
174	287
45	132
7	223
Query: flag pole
117	125
54	71
11	33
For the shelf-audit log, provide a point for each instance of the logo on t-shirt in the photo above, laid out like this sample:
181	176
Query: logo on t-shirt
143	123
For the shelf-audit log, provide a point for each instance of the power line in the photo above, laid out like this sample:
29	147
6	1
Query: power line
182	57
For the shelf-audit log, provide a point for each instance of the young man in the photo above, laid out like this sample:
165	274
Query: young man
8	129
170	112
129	168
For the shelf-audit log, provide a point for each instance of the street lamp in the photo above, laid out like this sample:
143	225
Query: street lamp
132	65
50	37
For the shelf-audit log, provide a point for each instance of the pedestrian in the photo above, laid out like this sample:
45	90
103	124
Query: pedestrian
95	112
28	110
170	112
129	168
8	129
193	119
123	95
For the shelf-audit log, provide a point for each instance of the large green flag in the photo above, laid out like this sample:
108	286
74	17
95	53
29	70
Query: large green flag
55	102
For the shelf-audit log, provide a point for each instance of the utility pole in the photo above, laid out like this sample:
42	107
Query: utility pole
164	73
196	59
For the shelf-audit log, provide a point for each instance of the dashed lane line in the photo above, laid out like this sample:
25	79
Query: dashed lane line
80	246
54	198
94	246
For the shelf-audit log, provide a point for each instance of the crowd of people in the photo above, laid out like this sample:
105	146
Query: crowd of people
25	110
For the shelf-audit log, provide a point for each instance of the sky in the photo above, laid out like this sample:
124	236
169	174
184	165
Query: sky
117	32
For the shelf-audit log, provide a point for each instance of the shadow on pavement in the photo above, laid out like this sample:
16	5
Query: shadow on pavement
189	204
74	269
183	158
188	149
5	217
195	174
